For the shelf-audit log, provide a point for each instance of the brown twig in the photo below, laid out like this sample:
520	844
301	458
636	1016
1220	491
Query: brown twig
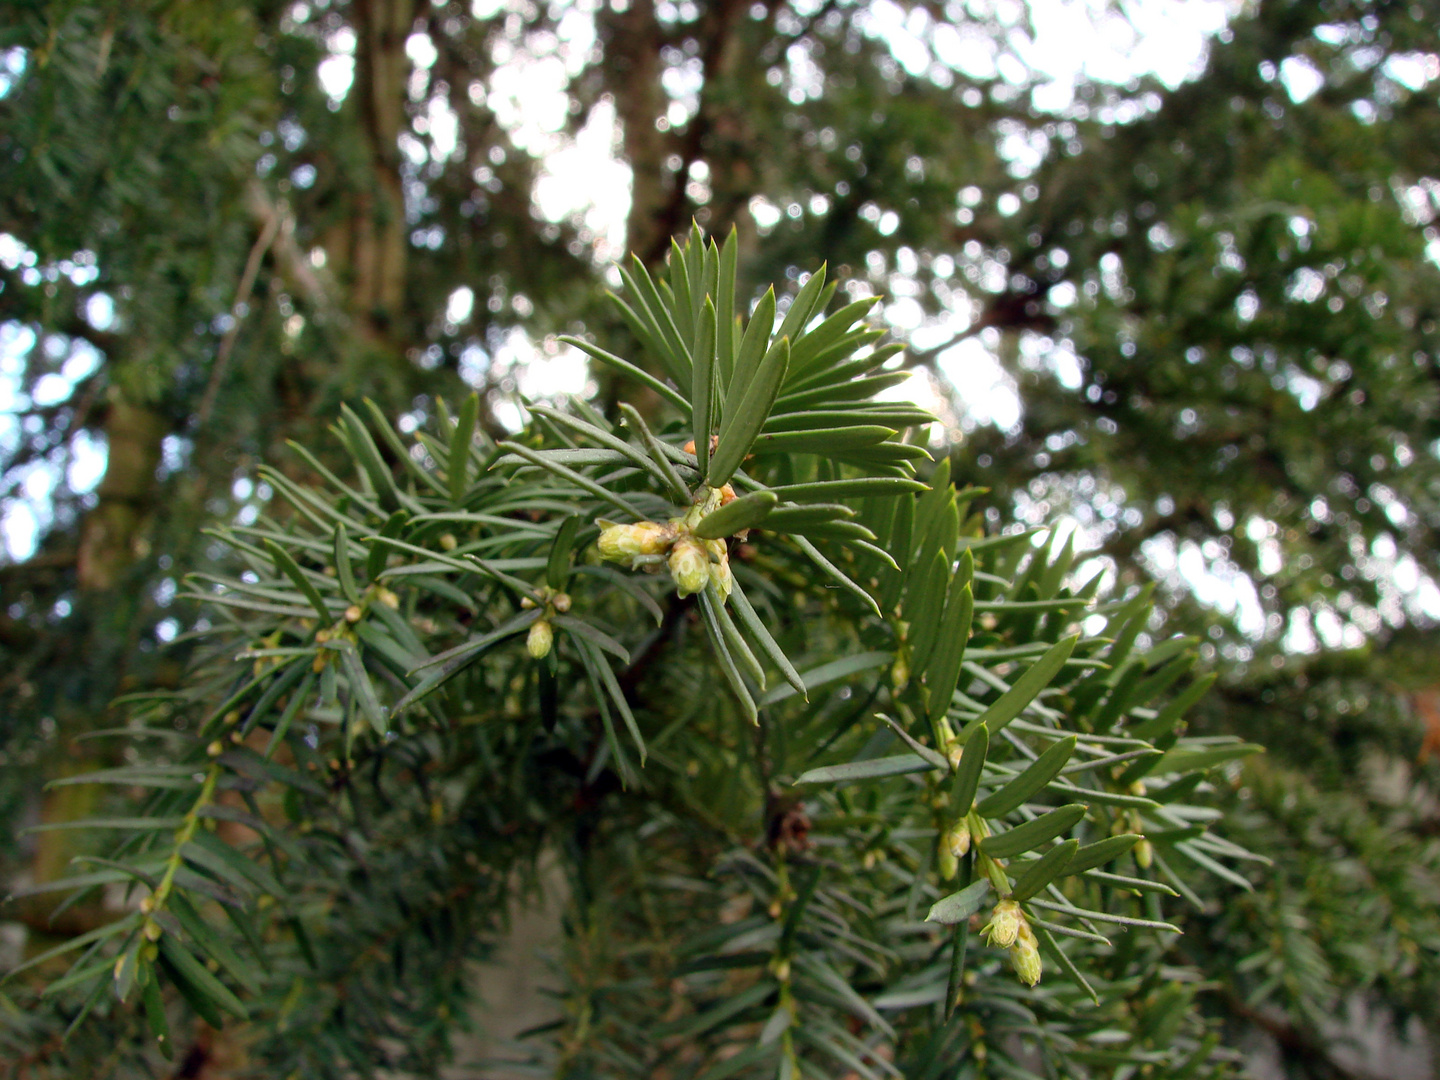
270	228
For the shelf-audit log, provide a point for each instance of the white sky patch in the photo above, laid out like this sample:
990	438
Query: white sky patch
1090	39
460	305
766	214
15	342
100	311
529	98
1262	534
906	38
1299	637
1406	589
421	50
19	529
27	514
13	62
1301	77
444	127
13	253
546	369
1205	571
337	71
905	315
1065	364
553	370
87	461
986	391
1414	71
966	48
1073	40
584	180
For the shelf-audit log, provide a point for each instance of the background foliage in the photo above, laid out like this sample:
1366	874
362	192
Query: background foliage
1214	301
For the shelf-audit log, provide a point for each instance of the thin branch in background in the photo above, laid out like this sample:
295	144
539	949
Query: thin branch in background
269	229
292	262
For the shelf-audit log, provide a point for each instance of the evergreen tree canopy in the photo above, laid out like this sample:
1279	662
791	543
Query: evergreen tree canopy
1213	297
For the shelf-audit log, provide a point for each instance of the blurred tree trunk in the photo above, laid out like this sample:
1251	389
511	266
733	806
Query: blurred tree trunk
113	533
377	243
631	75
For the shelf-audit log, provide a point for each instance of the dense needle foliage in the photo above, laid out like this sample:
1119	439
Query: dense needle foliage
1210	295
790	772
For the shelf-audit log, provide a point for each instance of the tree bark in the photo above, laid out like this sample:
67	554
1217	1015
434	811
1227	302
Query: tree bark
632	41
379	230
113	533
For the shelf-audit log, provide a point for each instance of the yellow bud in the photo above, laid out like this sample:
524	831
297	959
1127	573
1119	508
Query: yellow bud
388	598
1144	854
1026	935
526	603
1025	959
152	930
952	750
957	839
689	566
946	863
215	749
621	543
447	541
724	580
561	602
900	670
707	501
1003	929
542	636
353	613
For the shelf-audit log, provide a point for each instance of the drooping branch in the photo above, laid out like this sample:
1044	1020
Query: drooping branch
269	229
